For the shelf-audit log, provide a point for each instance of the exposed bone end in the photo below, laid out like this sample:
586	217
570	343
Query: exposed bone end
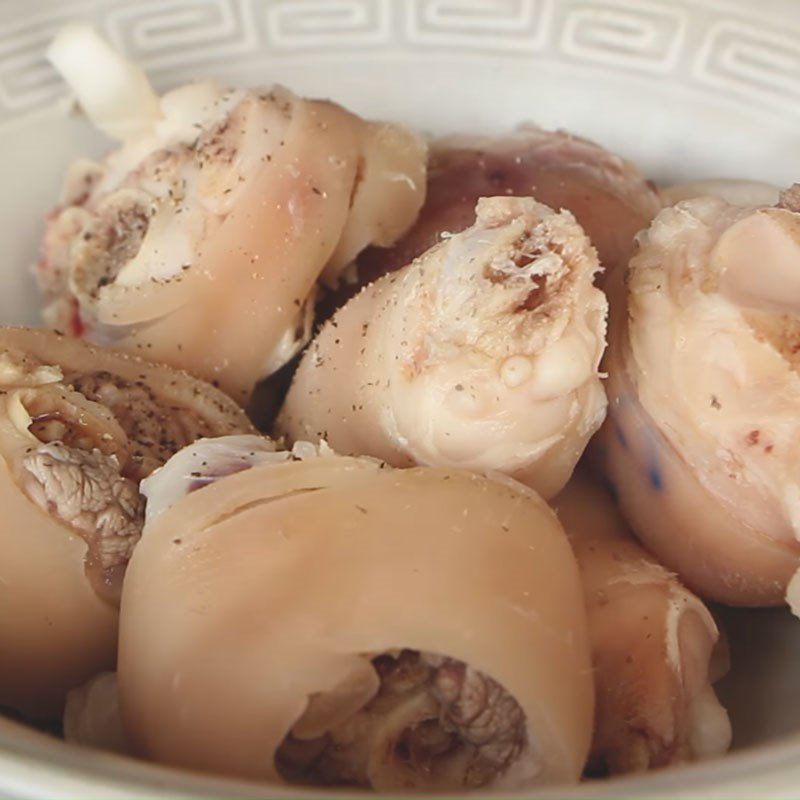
157	409
609	197
72	514
53	267
514	331
481	713
114	92
420	722
67	453
510	284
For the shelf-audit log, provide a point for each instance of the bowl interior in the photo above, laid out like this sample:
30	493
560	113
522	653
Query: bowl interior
687	89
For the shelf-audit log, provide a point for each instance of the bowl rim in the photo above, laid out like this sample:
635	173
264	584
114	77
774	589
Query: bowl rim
38	765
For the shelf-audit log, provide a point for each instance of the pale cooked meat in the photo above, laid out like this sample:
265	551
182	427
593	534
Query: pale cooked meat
483	354
703	439
199	242
335	584
80	426
653	645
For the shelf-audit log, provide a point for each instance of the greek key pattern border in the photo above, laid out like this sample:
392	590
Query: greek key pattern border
722	46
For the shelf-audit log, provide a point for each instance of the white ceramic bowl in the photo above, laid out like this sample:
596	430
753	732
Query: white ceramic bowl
688	89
